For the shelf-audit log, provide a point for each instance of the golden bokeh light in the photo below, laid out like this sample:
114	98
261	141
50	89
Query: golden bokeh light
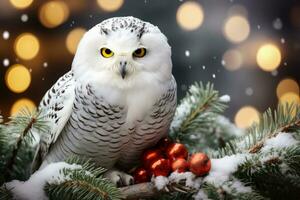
20	104
286	86
246	116
232	60
190	15
268	57
27	46
21	4
236	29
289	97
17	78
73	39
54	13
110	5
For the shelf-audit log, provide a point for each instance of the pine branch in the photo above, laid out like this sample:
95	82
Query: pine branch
195	117
17	136
283	119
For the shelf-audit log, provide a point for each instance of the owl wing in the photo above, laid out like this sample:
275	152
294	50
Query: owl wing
56	107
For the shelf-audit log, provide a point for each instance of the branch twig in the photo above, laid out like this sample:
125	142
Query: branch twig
142	190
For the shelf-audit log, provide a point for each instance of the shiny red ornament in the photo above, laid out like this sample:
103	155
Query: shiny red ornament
151	156
199	164
161	167
180	164
177	150
163	144
141	175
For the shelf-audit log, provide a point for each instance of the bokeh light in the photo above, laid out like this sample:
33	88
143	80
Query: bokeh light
236	29
20	104
289	97
27	46
21	4
286	86
17	78
246	116
233	60
110	5
73	39
268	57
190	15
53	13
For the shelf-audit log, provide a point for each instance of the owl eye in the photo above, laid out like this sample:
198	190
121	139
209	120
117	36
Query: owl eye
139	53
106	53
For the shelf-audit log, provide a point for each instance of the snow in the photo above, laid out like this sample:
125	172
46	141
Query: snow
223	121
187	53
277	24
24	18
225	98
280	141
214	75
249	91
203	67
236	186
5	35
190	179
160	182
222	168
201	196
6	62
33	188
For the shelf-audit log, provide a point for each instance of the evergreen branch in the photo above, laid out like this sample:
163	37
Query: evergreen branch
275	174
5	194
283	119
20	127
84	186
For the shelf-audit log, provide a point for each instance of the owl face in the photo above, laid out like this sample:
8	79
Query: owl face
124	49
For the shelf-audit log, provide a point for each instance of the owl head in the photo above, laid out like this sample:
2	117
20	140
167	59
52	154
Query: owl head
123	51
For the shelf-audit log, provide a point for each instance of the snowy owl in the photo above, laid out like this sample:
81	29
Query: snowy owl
117	100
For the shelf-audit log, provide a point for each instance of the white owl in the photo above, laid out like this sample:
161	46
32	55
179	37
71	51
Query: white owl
117	100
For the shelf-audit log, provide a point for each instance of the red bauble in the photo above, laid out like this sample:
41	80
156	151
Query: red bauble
141	175
164	143
180	164
161	167
177	150
151	156
199	164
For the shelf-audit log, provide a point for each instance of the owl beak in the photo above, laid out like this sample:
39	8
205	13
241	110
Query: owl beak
123	68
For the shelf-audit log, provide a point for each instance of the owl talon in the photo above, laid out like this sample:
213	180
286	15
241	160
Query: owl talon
119	178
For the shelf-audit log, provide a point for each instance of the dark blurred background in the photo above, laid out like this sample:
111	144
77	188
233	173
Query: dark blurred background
250	50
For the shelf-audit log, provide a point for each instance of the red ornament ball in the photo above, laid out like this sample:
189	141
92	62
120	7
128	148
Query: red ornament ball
199	164
177	150
163	144
180	164
161	167
141	175
151	156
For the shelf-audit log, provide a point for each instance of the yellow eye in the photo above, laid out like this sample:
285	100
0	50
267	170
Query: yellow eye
139	53
106	53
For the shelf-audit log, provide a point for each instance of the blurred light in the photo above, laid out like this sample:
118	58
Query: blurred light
268	57
286	86
190	15
110	5
54	13
73	39
246	116
289	97
21	4
22	104
236	29
5	35
17	78
232	60
27	46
